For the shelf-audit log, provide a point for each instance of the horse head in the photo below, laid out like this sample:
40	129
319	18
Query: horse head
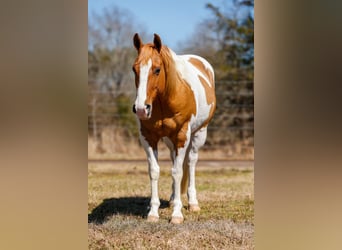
149	74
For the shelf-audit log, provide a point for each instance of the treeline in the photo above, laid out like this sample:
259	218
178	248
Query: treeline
225	39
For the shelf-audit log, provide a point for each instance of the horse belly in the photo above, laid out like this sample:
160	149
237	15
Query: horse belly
202	116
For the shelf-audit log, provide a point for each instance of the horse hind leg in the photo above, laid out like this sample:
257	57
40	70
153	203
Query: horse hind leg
197	141
192	194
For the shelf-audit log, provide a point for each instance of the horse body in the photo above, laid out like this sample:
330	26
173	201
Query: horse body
175	102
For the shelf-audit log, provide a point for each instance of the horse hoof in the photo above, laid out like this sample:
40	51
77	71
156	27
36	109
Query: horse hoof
152	218
177	220
194	208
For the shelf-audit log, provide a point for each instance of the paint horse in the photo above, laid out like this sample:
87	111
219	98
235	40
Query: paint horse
175	101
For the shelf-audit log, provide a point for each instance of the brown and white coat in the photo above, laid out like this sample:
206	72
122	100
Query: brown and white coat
175	102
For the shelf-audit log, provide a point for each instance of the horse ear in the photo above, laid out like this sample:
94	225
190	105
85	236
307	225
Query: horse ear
157	42
137	41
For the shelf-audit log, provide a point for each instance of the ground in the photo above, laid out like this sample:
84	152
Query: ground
118	198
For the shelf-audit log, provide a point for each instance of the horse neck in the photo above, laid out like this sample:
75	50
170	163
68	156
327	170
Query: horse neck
172	77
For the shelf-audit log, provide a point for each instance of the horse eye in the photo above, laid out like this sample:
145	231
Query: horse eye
157	71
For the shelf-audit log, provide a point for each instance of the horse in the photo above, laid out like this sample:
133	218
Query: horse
175	101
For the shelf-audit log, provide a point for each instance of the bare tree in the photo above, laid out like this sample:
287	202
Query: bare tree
110	76
226	39
110	42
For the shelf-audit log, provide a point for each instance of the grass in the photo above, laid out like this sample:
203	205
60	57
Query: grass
118	197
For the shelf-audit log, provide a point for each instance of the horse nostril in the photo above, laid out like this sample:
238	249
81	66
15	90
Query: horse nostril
148	109
134	110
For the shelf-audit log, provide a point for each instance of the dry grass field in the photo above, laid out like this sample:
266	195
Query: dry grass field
118	198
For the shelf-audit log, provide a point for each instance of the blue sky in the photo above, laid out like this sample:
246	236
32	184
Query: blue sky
174	20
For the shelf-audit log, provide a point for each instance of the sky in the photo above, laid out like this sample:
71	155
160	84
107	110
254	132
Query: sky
173	20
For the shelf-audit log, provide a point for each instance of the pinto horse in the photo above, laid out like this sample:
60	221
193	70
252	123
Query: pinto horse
175	101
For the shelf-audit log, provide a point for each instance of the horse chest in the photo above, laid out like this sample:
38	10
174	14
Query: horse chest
168	125
163	127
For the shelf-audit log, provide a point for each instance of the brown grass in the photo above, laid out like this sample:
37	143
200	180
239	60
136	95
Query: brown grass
118	197
114	145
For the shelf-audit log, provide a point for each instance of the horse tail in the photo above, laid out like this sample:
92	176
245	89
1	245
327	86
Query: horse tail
185	178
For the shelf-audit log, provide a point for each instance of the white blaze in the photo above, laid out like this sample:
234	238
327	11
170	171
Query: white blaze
142	89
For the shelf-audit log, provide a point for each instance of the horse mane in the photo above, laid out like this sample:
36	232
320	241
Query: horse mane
171	74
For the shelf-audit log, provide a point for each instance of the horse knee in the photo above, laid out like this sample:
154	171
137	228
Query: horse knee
177	173
154	172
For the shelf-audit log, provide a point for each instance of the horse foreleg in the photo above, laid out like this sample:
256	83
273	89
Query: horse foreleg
183	139
170	145
153	168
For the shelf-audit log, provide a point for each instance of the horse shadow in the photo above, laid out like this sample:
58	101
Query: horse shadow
137	206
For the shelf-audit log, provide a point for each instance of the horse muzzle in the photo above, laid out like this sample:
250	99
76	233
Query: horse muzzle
143	113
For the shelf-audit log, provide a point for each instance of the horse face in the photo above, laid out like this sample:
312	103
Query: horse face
149	72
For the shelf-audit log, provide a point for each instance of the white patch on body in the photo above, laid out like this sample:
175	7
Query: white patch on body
205	63
191	75
142	89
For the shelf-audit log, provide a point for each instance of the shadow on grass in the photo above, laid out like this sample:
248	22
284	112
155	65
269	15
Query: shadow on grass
138	206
